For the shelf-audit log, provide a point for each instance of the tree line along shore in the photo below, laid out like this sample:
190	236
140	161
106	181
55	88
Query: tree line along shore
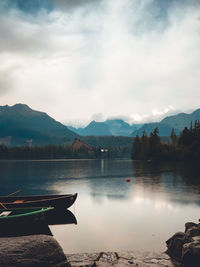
62	152
184	146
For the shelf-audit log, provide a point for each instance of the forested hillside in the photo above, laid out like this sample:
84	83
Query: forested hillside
184	146
20	123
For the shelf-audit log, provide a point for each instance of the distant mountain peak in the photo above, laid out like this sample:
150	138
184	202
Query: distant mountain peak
197	111
21	123
110	127
96	128
178	122
95	123
20	105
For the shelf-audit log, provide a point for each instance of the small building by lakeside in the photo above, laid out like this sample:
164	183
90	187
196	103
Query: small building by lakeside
79	144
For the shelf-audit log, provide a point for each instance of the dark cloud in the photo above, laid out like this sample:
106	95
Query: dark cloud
140	51
28	6
156	14
71	4
18	35
34	6
157	8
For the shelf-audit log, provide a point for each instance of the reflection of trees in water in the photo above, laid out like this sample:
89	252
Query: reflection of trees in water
106	178
147	172
187	183
189	171
34	177
189	174
30	176
147	175
147	178
178	181
38	177
151	169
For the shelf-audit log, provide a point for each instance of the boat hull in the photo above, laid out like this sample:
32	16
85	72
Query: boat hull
23	217
59	202
36	225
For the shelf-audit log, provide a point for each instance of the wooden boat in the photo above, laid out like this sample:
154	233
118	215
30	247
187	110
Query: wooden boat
22	217
59	202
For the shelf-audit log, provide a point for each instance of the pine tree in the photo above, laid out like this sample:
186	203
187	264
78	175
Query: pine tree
154	143
144	151
136	148
173	137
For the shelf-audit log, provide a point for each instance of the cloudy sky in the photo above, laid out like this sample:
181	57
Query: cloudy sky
79	60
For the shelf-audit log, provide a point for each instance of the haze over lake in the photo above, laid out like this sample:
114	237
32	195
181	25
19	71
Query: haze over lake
111	213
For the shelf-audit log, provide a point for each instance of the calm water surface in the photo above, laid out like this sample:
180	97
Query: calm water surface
111	213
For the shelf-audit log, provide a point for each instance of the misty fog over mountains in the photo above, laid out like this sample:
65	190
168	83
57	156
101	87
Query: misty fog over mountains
20	123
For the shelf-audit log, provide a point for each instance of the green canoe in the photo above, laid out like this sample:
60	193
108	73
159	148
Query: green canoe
26	216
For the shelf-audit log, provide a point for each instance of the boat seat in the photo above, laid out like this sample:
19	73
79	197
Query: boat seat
18	201
5	213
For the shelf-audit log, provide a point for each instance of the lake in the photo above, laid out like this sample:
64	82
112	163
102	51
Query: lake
113	214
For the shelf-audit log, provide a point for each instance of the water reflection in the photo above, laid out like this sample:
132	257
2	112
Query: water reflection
142	214
38	228
174	181
103	178
21	230
113	188
56	217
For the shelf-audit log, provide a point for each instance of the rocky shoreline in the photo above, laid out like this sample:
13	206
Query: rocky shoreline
44	251
120	259
183	249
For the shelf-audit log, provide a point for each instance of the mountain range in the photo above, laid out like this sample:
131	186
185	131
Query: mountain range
20	124
177	122
119	127
115	127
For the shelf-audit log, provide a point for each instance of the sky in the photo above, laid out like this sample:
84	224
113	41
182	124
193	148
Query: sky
80	60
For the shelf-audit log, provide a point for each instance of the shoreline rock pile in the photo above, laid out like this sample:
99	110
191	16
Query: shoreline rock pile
120	259
185	247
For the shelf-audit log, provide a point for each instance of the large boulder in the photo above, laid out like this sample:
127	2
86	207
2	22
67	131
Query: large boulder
31	251
185	247
191	254
175	245
189	225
